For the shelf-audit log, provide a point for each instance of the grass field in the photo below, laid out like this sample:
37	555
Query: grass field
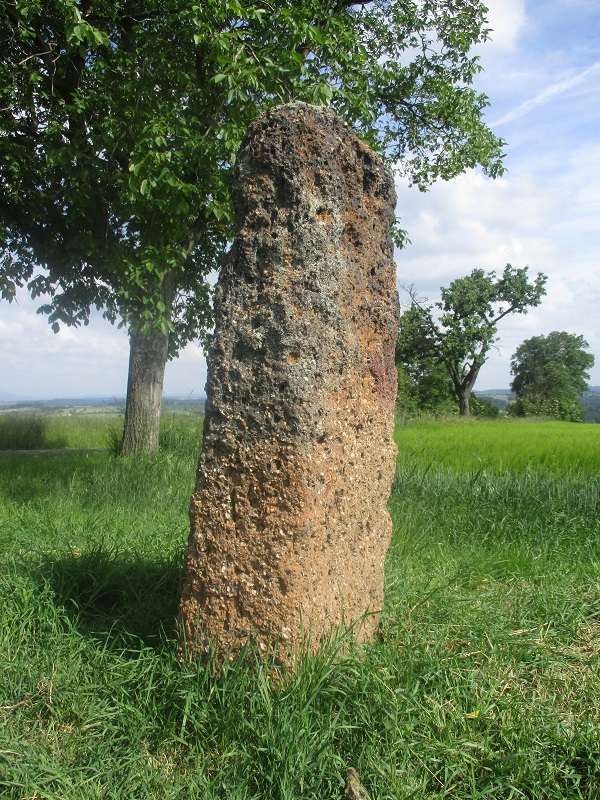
485	682
502	445
89	428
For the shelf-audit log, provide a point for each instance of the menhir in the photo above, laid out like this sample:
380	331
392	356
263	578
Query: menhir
289	526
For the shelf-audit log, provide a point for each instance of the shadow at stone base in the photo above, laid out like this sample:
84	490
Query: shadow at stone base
121	598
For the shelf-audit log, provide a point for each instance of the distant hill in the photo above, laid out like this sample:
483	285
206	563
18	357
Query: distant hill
590	401
499	397
21	401
591	404
112	404
9	401
7	397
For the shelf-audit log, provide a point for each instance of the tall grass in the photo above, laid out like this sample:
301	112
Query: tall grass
484	682
28	432
49	431
85	430
23	431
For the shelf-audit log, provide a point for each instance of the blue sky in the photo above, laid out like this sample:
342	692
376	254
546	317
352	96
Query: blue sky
542	76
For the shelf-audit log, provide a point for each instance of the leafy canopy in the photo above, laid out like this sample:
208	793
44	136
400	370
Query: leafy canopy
120	119
550	375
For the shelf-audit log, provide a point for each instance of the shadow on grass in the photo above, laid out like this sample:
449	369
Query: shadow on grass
116	596
27	478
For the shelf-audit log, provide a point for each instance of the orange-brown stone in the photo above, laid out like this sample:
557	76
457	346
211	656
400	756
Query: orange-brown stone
289	527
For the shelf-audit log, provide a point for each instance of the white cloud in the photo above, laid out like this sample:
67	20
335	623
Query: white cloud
87	361
186	375
548	94
545	217
91	360
507	19
538	218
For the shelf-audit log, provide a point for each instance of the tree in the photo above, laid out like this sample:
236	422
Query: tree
465	331
119	122
551	375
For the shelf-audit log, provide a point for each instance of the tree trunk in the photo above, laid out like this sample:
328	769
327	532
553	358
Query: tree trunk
148	354
464	387
147	362
464	396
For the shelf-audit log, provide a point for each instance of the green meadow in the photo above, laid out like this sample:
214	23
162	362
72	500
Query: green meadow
484	682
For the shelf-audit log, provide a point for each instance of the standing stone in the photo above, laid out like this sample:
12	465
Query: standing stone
289	526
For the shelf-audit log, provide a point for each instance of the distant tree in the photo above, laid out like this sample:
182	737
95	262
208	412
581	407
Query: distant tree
483	407
120	119
551	375
591	406
464	332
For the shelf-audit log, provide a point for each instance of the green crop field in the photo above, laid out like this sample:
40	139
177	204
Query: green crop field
484	682
503	445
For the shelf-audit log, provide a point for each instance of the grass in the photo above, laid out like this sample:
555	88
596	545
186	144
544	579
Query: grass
25	432
48	431
90	430
515	445
485	682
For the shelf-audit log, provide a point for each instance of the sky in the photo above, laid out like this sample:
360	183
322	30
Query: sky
542	77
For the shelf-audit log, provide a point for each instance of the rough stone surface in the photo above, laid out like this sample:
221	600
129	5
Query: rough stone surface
289	527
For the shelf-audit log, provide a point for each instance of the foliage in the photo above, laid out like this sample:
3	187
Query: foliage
484	682
482	407
551	374
465	330
120	122
423	383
